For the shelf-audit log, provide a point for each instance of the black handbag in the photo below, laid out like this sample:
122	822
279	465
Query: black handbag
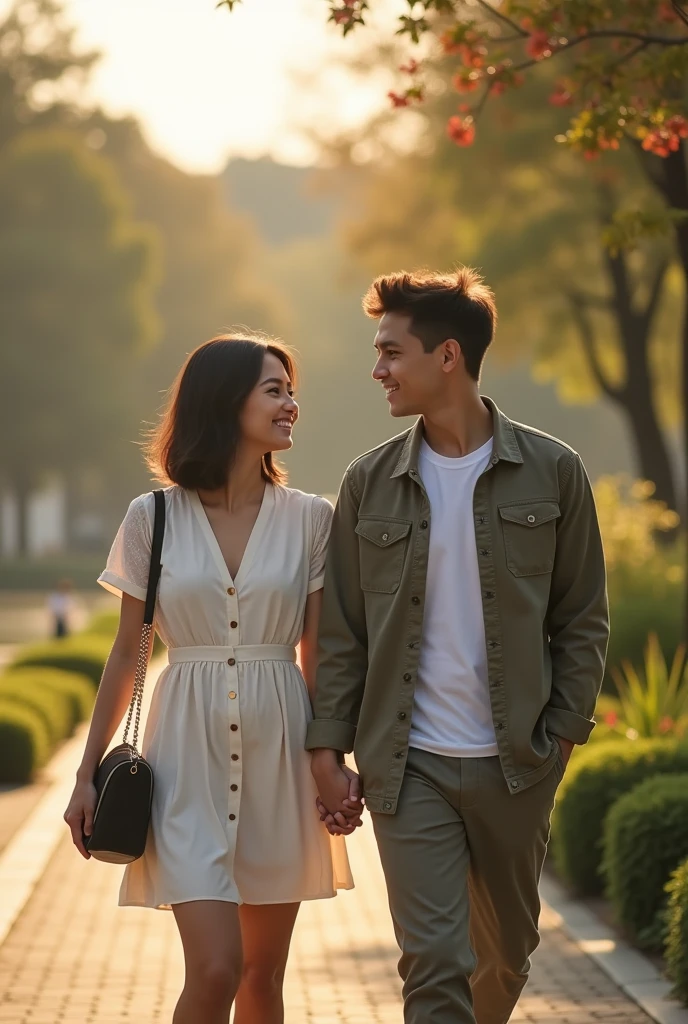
124	779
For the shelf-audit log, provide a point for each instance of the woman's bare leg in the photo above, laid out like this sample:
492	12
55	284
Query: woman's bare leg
265	935
211	937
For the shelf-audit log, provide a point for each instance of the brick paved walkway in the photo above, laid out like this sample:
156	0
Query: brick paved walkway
74	956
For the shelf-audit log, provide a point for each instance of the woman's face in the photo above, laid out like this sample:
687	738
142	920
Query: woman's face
270	412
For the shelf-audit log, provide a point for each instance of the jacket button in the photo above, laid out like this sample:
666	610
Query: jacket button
424	525
385	536
407	677
415	600
489	595
514	784
401	715
484	552
500	725
233	625
387	805
398	753
531	519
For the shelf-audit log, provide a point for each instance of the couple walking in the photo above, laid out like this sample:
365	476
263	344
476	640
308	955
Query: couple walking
452	634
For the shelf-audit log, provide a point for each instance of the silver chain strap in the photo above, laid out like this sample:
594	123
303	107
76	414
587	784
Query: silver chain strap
137	694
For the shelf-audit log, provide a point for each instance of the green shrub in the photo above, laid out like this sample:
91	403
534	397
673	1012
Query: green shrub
75	687
595	778
52	706
645	839
83	654
24	742
105	625
676	949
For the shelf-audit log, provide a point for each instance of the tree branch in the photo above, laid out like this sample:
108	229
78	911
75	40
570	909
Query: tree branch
679	11
504	18
605	34
587	336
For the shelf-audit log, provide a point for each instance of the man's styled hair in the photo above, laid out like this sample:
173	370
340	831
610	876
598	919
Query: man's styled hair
457	305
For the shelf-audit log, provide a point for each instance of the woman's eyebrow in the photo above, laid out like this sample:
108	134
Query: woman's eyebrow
274	380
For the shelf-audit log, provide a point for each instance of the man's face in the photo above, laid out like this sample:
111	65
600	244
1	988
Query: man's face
411	377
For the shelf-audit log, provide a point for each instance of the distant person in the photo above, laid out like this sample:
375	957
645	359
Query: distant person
462	646
61	608
236	841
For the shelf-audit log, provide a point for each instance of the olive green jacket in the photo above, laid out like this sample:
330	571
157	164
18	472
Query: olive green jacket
543	586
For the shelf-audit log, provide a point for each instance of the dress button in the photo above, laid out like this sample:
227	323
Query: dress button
231	591
232	695
415	600
401	715
233	625
235	757
232	817
231	661
234	728
233	787
407	677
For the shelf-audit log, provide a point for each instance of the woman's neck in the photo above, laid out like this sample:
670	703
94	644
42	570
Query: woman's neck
245	485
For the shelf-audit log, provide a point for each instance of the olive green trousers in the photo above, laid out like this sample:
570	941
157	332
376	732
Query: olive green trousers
462	858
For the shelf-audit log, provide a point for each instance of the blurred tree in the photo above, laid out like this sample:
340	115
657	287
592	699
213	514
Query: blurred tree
77	279
41	70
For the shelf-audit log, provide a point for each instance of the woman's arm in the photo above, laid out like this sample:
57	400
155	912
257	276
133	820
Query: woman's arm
309	641
114	695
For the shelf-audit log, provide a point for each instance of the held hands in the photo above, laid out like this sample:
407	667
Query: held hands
339	802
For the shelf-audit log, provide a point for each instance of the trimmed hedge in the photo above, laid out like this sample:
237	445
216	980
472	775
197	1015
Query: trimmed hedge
105	624
24	742
676	949
594	780
52	706
645	839
76	688
83	654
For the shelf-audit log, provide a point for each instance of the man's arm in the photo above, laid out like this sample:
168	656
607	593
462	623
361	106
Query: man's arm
578	619
343	657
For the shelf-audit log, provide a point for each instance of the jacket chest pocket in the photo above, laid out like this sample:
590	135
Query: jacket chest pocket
530	536
382	552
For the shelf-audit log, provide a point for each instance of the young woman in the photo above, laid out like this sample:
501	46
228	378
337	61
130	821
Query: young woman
235	841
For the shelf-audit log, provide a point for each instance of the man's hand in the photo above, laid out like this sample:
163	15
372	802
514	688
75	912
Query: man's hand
339	801
566	747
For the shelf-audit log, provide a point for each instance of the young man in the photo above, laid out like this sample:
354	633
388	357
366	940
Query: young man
463	637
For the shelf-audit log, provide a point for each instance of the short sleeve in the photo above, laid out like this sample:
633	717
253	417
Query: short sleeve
321	513
129	559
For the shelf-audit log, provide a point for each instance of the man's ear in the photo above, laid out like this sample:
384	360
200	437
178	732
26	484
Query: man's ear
451	354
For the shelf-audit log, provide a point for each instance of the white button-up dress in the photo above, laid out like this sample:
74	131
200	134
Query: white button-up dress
233	814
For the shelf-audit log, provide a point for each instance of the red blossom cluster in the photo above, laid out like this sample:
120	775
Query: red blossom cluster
461	130
539	45
561	97
666	139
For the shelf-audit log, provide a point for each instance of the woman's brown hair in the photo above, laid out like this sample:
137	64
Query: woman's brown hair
196	440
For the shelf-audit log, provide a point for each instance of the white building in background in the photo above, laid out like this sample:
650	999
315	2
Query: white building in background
46	526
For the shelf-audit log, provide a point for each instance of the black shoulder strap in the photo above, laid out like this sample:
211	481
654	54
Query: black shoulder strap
156	551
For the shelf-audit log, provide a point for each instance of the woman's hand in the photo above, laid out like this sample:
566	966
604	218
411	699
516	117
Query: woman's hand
79	814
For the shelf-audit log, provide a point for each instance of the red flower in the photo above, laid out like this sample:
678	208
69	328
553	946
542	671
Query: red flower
561	97
472	58
411	67
462	82
538	44
398	100
611	718
449	44
498	88
678	125
342	17
666	724
461	131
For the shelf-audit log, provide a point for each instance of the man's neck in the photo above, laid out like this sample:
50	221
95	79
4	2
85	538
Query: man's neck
457	430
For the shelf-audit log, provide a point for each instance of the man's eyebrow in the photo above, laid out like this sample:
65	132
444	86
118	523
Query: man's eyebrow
379	345
274	380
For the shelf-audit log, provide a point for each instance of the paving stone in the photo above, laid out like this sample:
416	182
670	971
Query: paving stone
73	955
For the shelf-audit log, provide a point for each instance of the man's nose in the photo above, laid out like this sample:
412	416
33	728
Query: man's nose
380	371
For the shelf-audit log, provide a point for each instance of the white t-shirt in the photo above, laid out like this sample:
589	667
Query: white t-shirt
452	714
